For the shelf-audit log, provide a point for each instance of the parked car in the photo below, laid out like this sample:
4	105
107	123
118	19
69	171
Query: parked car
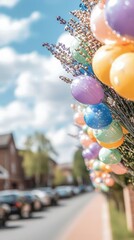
64	191
33	200
52	194
18	204
43	196
4	214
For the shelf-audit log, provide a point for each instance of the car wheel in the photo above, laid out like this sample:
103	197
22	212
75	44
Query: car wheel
37	205
25	211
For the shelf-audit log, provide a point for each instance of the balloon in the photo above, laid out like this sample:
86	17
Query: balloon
90	134
118	168
87	154
79	118
109	182
97	116
88	71
104	57
100	28
79	53
122	76
95	148
112	145
85	128
96	165
104	188
87	90
120	17
109	156
85	140
110	134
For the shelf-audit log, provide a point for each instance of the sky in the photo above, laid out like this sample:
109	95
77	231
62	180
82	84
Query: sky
32	97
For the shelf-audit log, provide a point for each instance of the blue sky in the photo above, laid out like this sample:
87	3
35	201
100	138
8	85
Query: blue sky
31	95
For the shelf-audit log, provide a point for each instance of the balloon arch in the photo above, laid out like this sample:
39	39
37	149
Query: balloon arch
101	61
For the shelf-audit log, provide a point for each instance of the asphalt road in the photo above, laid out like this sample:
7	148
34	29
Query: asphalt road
49	224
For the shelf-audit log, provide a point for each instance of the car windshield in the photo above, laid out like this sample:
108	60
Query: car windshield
8	198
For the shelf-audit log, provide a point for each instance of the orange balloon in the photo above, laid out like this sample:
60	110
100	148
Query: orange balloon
122	75
103	59
90	134
100	28
79	118
107	168
112	145
109	182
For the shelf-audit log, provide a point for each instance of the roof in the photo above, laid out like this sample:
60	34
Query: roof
4	139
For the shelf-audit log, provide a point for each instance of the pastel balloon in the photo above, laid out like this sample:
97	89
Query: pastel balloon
109	182
110	134
100	28
85	141
97	116
109	156
95	148
79	118
104	57
79	53
124	130
87	90
122	75
87	154
96	165
120	17
90	134
118	168
113	145
104	188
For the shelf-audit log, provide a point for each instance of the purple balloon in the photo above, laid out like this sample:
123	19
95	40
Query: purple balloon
87	90
87	154
95	148
120	16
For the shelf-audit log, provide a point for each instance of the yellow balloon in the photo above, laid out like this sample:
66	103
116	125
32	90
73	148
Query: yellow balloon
122	75
104	57
112	145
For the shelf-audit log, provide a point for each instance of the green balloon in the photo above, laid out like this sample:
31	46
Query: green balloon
109	156
104	188
96	165
79	53
110	134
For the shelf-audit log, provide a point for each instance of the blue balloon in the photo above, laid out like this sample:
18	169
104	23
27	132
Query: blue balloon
88	72
97	116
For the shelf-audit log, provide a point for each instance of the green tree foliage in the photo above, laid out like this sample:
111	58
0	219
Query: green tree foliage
59	178
79	169
36	156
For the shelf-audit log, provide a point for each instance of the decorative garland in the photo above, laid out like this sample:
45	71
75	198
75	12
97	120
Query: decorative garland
101	61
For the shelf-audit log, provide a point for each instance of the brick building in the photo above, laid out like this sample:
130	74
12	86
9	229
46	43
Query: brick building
11	162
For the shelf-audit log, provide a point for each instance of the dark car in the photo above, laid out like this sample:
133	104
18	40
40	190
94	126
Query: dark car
17	202
52	194
33	200
64	191
4	214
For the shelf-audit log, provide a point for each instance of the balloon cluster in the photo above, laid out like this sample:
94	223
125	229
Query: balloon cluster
101	61
113	63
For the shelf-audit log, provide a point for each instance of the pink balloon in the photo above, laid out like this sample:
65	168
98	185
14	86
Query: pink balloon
118	168
109	182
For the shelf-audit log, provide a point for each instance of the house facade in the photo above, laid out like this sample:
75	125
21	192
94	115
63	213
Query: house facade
11	162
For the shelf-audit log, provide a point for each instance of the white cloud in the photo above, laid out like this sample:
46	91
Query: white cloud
8	3
16	30
42	100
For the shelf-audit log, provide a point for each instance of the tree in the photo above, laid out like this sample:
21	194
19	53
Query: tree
37	155
79	170
59	177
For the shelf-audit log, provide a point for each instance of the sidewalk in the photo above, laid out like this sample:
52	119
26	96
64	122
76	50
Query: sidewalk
92	223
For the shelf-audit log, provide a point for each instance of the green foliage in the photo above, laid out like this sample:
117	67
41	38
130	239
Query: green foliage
118	224
59	177
36	155
79	169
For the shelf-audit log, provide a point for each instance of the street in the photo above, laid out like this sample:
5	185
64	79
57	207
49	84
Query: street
49	224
